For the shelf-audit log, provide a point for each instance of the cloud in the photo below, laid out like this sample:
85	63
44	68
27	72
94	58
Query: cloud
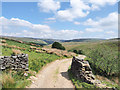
110	32
77	23
22	28
15	22
15	25
49	5
102	2
68	34
108	23
90	22
94	30
78	9
81	8
95	7
50	20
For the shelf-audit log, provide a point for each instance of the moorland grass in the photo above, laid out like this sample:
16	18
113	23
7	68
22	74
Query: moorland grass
14	79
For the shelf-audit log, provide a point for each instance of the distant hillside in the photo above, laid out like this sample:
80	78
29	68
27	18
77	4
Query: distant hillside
26	39
50	41
34	40
84	40
115	39
40	41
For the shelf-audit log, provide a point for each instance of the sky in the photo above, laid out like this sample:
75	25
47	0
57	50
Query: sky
60	20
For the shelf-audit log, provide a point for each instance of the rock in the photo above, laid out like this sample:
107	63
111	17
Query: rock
26	69
14	57
1	61
25	74
1	57
19	55
2	67
23	66
5	56
33	78
87	72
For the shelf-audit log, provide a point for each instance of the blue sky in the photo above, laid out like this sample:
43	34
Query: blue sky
60	20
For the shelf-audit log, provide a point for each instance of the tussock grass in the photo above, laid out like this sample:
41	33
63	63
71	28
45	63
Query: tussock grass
15	52
7	81
14	79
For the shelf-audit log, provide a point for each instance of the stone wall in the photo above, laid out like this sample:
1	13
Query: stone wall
83	72
18	62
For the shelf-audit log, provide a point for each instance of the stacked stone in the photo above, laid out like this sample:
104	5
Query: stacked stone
18	62
82	70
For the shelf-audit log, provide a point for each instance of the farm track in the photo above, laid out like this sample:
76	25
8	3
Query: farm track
54	75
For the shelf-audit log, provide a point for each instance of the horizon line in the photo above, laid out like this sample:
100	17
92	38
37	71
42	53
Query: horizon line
63	39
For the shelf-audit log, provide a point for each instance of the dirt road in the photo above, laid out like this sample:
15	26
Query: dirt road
54	75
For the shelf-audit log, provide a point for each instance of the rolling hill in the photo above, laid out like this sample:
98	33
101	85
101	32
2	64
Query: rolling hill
84	40
50	41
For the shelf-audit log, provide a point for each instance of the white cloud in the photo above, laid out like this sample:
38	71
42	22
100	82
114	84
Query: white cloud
50	18
95	7
68	34
79	4
27	29
90	22
94	30
49	5
102	2
15	22
78	9
110	32
108	23
81	8
77	23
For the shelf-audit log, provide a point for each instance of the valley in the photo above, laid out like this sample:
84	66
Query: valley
98	54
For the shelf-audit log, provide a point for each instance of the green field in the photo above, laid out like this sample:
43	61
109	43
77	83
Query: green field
13	79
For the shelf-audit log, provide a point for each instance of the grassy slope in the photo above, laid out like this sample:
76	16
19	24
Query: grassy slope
100	52
36	62
103	56
35	40
85	40
24	39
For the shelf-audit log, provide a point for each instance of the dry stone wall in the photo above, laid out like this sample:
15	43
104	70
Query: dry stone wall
18	62
83	72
